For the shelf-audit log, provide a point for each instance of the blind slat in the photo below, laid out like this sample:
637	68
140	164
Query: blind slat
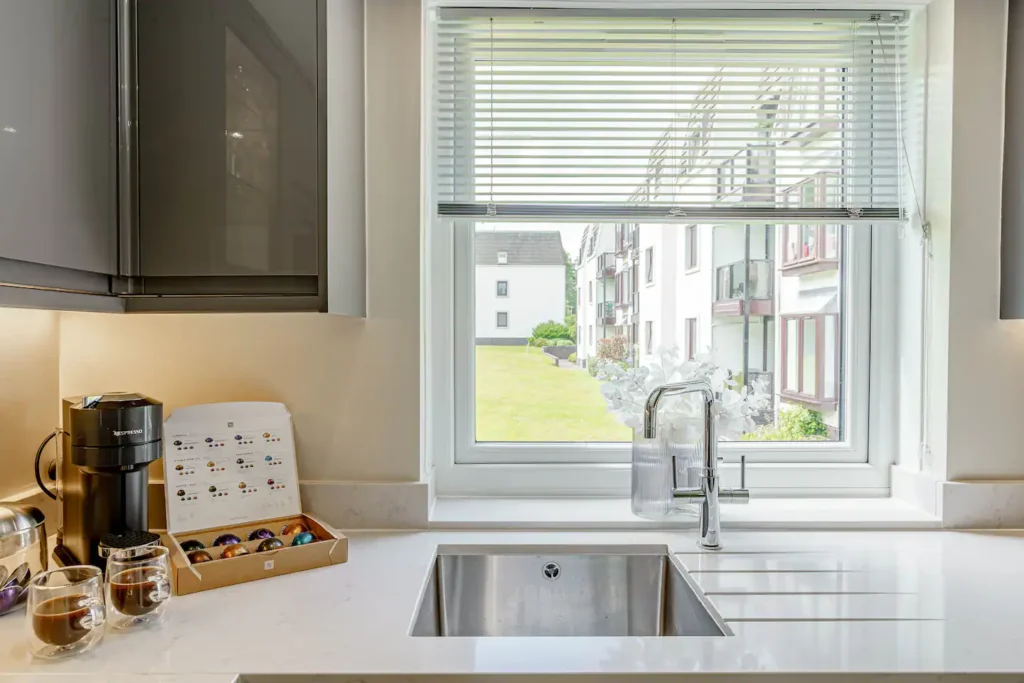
778	117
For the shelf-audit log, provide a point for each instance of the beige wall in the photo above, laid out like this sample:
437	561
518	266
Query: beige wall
28	393
351	384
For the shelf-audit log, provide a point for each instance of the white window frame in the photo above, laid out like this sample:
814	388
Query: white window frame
502	258
859	466
649	265
462	467
649	335
497	289
497	320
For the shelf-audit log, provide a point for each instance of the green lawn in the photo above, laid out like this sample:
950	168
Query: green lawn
522	396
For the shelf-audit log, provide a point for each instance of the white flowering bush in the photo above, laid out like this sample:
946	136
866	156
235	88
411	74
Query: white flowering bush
680	418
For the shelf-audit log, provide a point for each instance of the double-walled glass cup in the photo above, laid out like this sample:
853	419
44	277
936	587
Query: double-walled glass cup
138	585
66	612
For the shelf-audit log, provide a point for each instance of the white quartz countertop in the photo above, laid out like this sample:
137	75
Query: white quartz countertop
809	602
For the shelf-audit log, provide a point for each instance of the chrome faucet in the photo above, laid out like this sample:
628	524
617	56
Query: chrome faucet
707	494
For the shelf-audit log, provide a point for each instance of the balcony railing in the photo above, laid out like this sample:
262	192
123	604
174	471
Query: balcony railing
606	313
606	265
730	285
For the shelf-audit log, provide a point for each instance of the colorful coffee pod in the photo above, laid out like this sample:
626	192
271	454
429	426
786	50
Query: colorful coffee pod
191	544
234	551
258	534
270	544
303	538
199	556
227	539
294	528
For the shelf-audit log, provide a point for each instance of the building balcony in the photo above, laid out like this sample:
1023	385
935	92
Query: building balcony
730	285
605	313
606	265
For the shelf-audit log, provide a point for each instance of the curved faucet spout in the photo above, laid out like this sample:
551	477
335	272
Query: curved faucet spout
651	406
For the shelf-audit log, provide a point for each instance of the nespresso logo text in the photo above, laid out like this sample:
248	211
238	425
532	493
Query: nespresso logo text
127	431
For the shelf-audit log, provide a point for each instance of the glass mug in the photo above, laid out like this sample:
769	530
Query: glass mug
138	585
65	611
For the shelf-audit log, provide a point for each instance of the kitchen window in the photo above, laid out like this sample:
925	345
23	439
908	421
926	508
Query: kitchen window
728	167
502	288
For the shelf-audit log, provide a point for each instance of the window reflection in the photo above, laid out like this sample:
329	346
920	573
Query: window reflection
251	144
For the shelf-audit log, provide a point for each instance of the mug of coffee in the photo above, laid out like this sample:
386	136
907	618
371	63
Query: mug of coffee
65	611
138	585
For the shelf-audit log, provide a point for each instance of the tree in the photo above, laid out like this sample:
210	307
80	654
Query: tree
570	286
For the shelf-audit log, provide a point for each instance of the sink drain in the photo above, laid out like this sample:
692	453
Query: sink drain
551	571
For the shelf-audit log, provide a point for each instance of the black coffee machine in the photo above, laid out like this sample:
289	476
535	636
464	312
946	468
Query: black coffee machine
108	442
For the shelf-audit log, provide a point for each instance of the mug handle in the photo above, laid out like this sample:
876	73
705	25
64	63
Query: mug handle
96	616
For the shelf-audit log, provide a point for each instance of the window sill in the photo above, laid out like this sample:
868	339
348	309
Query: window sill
614	513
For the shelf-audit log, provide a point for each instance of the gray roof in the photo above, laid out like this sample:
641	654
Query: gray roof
525	248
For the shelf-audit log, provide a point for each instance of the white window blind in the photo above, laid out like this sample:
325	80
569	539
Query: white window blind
695	116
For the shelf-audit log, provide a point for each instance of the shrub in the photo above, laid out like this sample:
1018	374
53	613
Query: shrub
572	357
561	342
553	330
539	341
795	424
613	348
592	367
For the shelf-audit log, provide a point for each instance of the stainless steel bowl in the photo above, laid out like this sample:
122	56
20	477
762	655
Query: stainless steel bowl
23	552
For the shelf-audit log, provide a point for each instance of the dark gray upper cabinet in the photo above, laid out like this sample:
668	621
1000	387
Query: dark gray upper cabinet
171	155
58	219
1011	303
228	132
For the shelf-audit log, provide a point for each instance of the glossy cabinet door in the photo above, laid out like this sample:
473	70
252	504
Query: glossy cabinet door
229	133
58	144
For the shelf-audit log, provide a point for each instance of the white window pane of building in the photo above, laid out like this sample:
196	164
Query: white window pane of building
792	355
828	352
809	381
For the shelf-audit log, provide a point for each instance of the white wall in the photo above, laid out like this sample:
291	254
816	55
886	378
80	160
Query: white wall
536	294
974	390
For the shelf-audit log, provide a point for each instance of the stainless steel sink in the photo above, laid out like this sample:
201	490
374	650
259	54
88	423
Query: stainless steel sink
564	591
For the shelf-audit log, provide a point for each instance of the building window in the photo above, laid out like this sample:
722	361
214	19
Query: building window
590	292
590	334
649	336
692	245
502	287
810	347
502	319
649	265
691	338
502	258
810	248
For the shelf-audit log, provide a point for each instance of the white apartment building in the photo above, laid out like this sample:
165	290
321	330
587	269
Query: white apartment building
520	282
684	285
